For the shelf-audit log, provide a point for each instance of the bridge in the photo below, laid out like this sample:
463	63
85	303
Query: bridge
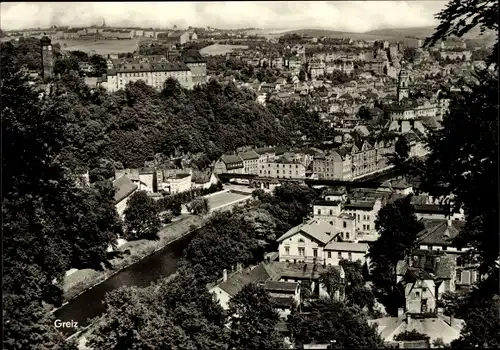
373	181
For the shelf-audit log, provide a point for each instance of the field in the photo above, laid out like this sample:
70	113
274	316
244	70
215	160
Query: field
222	199
101	47
216	49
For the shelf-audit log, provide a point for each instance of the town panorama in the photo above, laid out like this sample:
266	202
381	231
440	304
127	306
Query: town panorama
187	176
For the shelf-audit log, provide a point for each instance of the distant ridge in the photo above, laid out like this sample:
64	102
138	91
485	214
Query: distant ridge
386	34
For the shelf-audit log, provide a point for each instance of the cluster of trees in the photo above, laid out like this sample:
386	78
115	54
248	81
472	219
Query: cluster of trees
50	224
462	167
240	70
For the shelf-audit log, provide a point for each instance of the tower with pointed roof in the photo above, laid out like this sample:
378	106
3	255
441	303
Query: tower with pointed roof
403	83
47	57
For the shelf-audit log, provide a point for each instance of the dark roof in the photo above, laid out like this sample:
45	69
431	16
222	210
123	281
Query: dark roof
124	187
249	155
282	302
150	67
45	41
360	205
231	158
327	203
429	208
278	270
283	287
438	232
236	282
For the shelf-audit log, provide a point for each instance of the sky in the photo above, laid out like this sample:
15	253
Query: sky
349	16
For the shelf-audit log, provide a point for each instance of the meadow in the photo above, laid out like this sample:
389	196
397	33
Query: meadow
100	47
217	49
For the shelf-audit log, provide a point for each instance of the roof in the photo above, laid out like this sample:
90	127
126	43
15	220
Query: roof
365	205
282	302
429	208
123	188
316	229
278	270
435	328
283	287
327	203
149	67
231	158
438	232
347	247
237	281
200	176
249	155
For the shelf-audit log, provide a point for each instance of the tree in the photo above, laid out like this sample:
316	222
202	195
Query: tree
331	321
332	281
411	336
356	293
397	226
173	313
253	320
141	217
364	113
199	206
409	54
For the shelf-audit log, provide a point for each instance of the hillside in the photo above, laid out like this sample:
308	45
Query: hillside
379	34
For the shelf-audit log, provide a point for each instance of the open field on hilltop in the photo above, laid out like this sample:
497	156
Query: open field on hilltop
101	47
216	49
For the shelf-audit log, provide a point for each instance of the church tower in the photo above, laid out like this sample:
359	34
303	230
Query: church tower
403	83
47	57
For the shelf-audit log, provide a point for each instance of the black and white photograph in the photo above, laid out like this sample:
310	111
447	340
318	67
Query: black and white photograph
246	175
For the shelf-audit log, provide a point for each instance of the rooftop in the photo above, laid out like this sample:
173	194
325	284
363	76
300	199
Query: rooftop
124	187
315	229
347	247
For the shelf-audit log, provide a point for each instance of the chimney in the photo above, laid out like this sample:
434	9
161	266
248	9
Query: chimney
449	221
452	320
400	312
224	275
408	318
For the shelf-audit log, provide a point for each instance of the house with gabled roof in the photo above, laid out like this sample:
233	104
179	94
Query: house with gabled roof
124	188
229	163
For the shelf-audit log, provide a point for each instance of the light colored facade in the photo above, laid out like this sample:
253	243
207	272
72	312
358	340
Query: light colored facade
365	214
306	242
250	162
337	251
153	75
230	164
283	168
354	161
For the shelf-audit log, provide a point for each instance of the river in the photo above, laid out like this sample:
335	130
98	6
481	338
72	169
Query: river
88	305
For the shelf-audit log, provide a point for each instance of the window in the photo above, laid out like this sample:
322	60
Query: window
364	227
319	211
345	224
287	250
347	236
331	223
417	294
315	252
459	277
350	256
301	251
359	216
329	255
339	255
367	227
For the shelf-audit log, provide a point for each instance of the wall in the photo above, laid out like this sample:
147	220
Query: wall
415	293
293	243
333	257
221	296
282	170
146	182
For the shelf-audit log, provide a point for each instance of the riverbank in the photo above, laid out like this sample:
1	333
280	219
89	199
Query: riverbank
82	280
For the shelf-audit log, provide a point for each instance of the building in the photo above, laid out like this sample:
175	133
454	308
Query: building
337	251
153	74
47	57
229	163
305	243
198	66
403	84
283	281
124	188
174	181
250	162
365	213
175	38
143	178
283	168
